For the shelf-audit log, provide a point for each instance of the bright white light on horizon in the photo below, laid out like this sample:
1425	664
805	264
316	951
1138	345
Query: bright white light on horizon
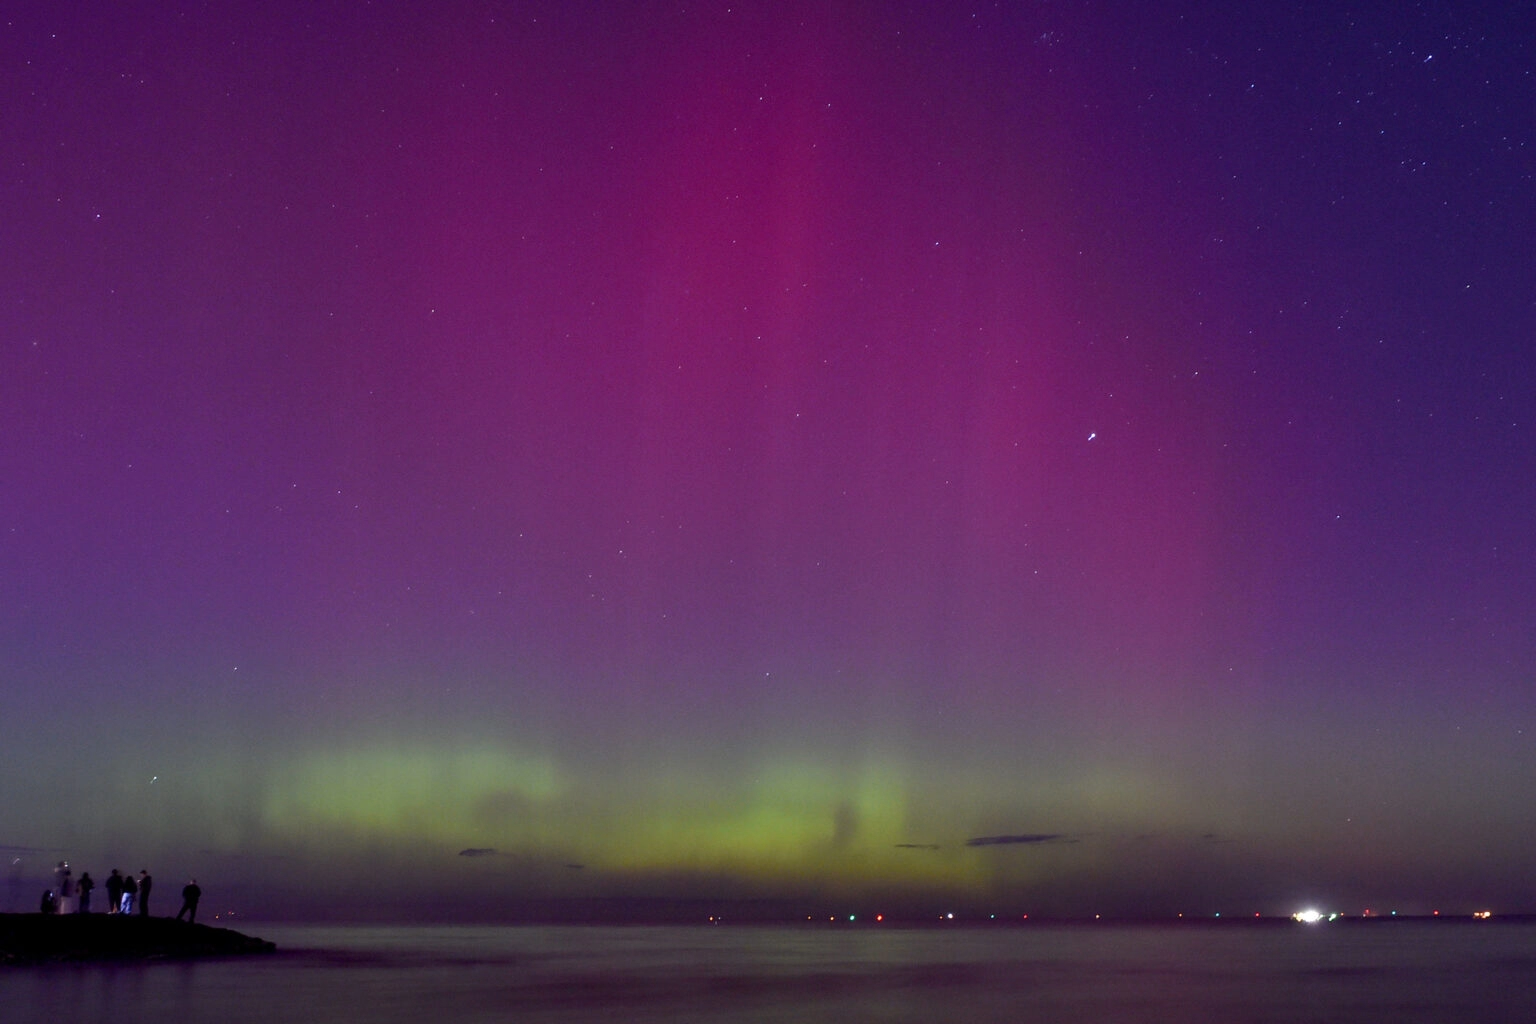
1308	916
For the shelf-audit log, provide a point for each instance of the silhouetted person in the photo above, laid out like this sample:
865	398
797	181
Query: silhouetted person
145	883
85	885
130	890
190	894
63	888
66	890
50	904
114	891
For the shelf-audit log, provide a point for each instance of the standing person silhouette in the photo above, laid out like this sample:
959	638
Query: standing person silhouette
84	886
67	891
190	894
130	890
145	882
114	891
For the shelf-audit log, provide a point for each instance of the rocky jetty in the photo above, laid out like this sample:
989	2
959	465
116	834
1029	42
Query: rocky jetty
84	938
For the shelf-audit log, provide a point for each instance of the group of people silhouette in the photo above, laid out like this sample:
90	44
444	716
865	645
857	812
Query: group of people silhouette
71	895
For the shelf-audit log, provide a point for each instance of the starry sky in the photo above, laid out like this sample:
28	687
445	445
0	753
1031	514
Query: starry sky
1054	456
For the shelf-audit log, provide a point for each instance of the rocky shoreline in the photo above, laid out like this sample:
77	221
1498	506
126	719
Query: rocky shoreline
27	939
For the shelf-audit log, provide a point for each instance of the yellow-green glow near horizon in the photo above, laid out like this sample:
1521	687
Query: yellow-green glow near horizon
786	819
384	791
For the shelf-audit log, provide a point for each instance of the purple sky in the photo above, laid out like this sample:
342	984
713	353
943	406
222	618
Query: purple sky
751	450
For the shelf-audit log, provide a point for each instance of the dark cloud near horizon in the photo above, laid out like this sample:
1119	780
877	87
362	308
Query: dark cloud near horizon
478	851
845	824
1028	839
917	846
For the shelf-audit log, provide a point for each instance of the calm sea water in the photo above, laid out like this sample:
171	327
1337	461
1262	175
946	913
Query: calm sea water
1400	972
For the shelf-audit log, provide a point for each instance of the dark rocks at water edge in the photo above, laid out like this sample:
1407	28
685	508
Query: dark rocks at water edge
82	938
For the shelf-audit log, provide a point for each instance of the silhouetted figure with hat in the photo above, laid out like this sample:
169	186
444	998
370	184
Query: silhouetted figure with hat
190	894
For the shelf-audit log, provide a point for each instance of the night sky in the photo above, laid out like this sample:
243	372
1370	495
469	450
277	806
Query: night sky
1056	457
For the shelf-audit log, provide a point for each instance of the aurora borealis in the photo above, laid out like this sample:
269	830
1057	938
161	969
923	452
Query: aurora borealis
754	451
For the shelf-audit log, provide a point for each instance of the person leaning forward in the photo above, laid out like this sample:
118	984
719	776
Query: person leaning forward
190	894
